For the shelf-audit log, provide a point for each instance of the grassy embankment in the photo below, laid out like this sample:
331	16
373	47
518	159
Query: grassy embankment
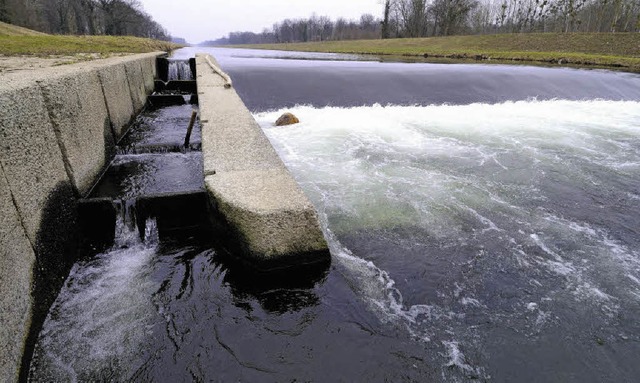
17	41
609	50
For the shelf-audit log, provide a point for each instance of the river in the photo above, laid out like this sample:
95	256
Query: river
483	222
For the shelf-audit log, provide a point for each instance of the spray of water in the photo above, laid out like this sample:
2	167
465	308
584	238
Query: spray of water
179	70
101	316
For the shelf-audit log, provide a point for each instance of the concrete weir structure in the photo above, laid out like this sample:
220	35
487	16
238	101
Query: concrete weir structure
249	186
58	132
58	128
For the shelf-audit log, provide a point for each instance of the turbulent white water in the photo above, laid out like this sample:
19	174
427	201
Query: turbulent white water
527	214
101	317
493	242
179	70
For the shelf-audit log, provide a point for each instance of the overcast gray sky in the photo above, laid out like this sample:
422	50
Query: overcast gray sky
199	20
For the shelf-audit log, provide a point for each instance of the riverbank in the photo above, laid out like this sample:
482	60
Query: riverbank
24	49
605	50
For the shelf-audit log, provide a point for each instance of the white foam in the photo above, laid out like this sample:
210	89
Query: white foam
472	174
101	314
466	301
456	357
407	158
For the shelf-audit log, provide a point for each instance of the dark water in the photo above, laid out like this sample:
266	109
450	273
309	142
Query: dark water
162	127
266	83
151	157
485	240
131	176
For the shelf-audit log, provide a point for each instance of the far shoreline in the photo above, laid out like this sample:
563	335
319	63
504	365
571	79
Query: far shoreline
611	51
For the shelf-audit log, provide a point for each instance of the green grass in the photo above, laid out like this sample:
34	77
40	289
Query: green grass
70	45
16	41
14	30
619	50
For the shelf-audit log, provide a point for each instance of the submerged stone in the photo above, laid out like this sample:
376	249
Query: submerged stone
287	119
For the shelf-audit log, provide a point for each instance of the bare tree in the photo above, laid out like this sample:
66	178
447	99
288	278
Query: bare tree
386	21
413	17
5	16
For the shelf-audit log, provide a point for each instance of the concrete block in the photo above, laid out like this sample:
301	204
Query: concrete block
117	94
249	185
16	277
270	212
205	75
29	152
148	66
52	132
136	84
231	138
79	115
8	214
16	274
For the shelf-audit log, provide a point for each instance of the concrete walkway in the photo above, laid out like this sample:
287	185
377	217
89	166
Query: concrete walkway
275	223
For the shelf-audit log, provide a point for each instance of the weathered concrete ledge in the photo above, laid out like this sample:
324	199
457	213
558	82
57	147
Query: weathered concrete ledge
275	223
58	128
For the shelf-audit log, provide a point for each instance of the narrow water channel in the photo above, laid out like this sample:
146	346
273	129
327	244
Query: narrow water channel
483	224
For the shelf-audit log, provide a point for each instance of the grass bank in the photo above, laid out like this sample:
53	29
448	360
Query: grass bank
609	50
17	41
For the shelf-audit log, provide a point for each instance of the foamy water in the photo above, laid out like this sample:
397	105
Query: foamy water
102	316
517	220
493	242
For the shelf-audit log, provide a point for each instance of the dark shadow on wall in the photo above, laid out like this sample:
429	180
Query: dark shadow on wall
56	250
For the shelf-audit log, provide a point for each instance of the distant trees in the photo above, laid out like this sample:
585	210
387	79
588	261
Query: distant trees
386	20
499	16
448	17
4	11
420	18
91	17
315	28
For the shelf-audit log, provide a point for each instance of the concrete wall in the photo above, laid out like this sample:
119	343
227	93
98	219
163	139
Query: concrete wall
275	223
58	128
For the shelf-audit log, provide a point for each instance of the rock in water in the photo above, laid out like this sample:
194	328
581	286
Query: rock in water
287	119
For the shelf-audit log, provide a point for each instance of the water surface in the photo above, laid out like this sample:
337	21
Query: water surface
483	224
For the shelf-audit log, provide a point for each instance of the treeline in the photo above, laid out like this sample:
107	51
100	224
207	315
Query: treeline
315	28
422	18
83	17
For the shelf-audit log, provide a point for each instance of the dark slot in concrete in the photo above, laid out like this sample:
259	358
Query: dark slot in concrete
177	215
158	86
184	86
160	100
192	65
97	220
162	68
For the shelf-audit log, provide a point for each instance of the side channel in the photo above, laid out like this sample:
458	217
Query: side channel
191	177
58	129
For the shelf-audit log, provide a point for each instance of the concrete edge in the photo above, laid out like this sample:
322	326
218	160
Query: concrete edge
249	185
43	136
